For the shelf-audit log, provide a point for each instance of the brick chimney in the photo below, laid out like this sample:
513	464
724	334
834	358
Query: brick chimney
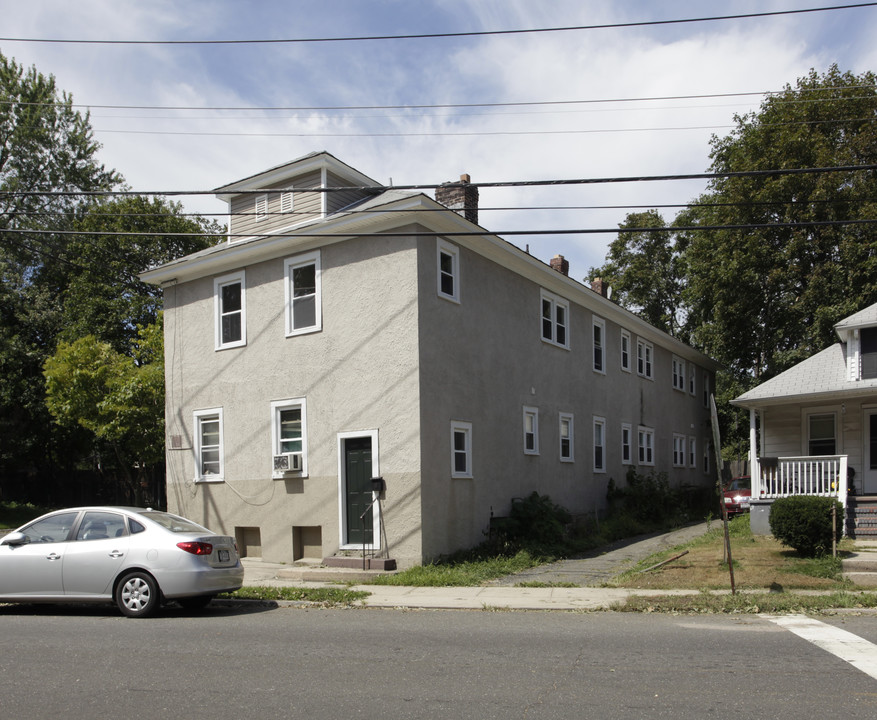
600	287
460	196
561	264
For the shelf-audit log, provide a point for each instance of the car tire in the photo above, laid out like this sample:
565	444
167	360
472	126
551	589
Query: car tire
137	595
199	602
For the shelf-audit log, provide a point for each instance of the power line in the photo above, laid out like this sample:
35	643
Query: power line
425	36
468	133
447	106
433	186
473	233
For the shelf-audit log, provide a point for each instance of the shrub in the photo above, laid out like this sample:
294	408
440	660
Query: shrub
536	520
803	522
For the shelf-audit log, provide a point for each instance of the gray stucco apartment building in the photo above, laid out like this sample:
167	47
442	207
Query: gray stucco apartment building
346	332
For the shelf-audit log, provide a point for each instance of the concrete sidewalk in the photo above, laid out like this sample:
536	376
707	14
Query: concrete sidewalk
588	572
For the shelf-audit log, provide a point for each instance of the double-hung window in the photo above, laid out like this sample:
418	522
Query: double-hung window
599	343
209	456
303	292
531	431
646	444
692	451
567	438
626	442
461	449
289	436
644	352
230	307
678	374
692	374
555	320
678	450
625	350
599	444
821	434
448	271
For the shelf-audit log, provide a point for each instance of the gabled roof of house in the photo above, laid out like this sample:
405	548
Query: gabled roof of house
863	318
387	212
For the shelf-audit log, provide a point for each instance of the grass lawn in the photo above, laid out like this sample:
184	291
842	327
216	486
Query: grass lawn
760	563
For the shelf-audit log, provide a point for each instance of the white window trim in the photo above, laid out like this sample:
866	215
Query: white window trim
834	411
342	505
566	417
707	462
556	302
446	248
680	450
645	432
678	377
197	417
692	451
627	428
218	284
531	412
601	324
645	355
601	423
276	407
692	379
312	258
458	426
625	335
706	390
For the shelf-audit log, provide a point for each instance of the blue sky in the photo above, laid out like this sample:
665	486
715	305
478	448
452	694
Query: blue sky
203	149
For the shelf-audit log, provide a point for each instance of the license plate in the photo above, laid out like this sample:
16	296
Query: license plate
742	505
223	556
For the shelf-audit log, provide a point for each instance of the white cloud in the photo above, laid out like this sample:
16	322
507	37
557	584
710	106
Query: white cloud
698	58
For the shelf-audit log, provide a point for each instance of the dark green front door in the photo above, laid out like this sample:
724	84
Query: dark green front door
358	471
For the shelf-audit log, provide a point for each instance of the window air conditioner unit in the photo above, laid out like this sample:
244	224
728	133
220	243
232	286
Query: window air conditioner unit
287	462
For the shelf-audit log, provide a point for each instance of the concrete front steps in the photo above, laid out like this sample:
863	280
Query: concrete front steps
860	567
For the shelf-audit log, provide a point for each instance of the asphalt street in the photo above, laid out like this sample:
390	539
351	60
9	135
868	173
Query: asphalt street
251	661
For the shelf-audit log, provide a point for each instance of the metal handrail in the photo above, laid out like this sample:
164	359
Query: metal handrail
362	526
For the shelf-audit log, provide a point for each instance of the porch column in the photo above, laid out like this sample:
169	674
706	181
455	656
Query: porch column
754	466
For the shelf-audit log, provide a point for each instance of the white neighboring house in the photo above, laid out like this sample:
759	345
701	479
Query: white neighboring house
813	428
361	370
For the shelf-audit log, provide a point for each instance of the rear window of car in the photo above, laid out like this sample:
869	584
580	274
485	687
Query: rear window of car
174	523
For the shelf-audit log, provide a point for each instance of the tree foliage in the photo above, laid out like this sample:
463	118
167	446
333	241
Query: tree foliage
69	267
759	268
765	297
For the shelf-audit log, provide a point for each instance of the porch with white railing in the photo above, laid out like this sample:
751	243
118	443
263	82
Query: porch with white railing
824	475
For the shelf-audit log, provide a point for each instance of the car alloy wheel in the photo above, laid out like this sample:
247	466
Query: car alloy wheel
137	595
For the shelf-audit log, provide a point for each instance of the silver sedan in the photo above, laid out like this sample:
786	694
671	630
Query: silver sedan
135	557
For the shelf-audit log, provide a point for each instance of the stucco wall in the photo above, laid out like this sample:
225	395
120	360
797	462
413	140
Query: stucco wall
483	360
359	373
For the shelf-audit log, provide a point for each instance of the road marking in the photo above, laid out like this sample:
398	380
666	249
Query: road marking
857	651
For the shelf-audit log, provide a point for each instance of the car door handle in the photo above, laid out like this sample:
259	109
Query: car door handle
53	556
116	554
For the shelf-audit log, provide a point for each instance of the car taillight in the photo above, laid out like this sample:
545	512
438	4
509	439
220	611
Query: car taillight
196	548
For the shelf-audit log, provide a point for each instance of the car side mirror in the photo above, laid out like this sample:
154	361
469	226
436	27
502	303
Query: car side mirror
14	539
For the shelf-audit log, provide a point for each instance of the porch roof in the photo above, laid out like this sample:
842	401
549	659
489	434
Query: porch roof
820	377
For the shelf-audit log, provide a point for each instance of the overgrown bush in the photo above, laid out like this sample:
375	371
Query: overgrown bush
803	522
652	503
534	522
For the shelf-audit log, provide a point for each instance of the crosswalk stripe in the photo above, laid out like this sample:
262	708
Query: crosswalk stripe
857	651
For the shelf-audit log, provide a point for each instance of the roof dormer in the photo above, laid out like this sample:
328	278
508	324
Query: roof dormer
277	200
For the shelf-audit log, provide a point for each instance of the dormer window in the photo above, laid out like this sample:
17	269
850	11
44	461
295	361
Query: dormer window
868	349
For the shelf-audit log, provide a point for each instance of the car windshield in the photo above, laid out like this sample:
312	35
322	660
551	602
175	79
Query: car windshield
741	483
174	523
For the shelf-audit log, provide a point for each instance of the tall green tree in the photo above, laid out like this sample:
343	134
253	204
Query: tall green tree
767	295
45	145
117	397
643	269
